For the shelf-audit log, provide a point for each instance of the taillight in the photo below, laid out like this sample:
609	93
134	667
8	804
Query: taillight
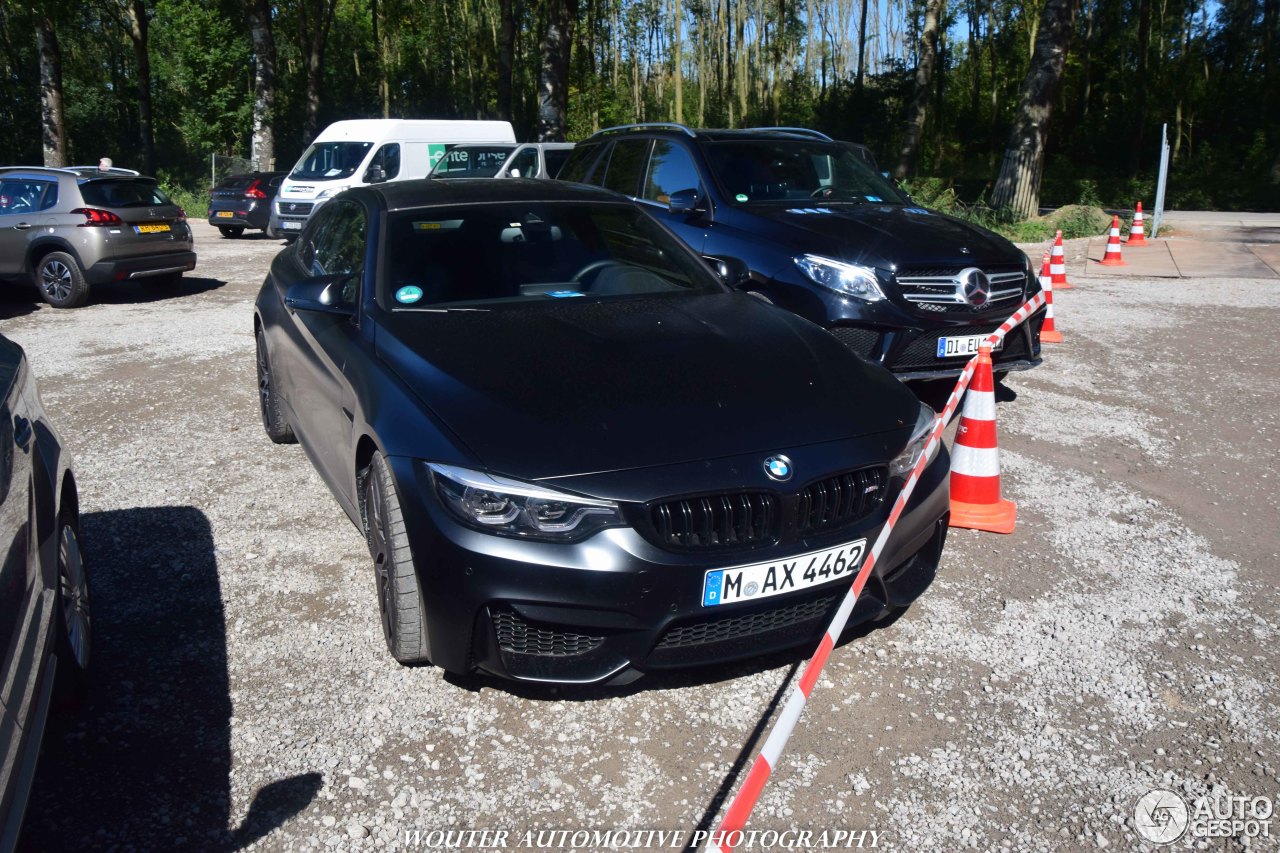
253	191
95	217
182	215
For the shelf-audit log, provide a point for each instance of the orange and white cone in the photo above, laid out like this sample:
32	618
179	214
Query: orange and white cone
1112	257
1137	234
1058	264
975	459
1049	333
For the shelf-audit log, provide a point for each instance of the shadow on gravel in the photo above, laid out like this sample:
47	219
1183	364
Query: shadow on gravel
18	300
146	763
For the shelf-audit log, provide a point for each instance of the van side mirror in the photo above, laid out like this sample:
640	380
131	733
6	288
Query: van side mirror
683	201
374	174
732	271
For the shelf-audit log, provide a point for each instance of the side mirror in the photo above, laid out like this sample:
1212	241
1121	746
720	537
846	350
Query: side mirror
732	271
885	175
374	175
323	294
683	201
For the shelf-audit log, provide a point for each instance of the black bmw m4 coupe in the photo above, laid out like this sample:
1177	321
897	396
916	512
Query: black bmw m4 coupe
577	452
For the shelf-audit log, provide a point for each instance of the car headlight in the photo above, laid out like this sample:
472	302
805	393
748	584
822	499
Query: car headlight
850	279
907	459
323	194
512	508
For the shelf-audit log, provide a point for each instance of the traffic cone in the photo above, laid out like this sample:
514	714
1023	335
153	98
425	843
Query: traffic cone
1058	264
1137	234
975	460
1112	257
1049	333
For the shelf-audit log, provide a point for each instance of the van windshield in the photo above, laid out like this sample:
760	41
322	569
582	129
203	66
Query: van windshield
330	161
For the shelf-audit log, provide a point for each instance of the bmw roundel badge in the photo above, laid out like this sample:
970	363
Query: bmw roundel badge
778	468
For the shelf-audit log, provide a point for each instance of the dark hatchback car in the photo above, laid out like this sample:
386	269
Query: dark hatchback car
827	237
44	594
244	201
576	453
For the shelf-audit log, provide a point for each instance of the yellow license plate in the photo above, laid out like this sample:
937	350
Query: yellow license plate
152	228
225	214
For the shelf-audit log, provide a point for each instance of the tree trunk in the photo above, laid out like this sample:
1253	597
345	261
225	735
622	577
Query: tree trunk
862	45
678	39
142	59
53	130
1018	186
918	109
553	81
506	57
319	30
263	145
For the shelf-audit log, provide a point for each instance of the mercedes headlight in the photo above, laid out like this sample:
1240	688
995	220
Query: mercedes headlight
512	508
907	459
849	279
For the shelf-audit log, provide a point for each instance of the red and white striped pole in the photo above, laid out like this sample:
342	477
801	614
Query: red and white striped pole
728	835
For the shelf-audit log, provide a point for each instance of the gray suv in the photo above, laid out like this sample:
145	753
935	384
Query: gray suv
69	229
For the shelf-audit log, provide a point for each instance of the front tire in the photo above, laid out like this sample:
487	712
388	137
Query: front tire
231	233
273	419
399	595
61	281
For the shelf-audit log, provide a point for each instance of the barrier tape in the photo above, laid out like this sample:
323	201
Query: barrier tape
723	839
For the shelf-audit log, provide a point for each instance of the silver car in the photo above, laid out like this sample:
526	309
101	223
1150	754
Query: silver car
69	229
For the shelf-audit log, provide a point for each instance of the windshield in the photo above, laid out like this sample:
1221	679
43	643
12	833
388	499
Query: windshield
796	170
520	253
328	161
472	161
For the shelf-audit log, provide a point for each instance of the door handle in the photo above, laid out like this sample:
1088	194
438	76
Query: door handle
22	226
22	432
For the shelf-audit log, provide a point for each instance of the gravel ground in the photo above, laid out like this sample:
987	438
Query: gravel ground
1123	638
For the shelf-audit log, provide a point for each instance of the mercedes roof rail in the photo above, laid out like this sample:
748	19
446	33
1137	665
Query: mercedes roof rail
84	171
799	131
653	125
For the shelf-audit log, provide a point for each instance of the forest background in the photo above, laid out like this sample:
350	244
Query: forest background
945	92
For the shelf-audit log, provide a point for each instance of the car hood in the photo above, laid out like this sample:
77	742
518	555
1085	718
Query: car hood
578	386
887	236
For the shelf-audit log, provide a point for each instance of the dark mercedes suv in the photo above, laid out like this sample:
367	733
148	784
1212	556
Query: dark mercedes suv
828	238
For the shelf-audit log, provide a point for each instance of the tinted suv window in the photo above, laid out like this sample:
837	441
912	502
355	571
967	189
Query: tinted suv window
626	163
580	160
22	195
670	169
555	161
527	162
122	192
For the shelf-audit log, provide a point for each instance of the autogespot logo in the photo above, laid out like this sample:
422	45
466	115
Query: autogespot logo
778	468
1161	816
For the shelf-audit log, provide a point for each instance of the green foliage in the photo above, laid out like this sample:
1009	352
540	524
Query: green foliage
1077	220
194	202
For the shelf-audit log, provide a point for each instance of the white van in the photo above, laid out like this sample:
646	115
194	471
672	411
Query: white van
369	151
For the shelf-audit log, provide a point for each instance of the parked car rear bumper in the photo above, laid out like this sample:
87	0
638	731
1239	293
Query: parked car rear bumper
142	266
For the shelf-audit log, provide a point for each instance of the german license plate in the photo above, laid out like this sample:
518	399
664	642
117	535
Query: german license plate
225	214
964	345
291	226
762	580
151	227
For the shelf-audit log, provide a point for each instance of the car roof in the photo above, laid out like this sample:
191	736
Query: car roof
709	134
81	172
406	195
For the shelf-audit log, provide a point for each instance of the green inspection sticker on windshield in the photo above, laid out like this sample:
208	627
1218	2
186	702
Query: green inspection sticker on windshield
741	197
408	294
